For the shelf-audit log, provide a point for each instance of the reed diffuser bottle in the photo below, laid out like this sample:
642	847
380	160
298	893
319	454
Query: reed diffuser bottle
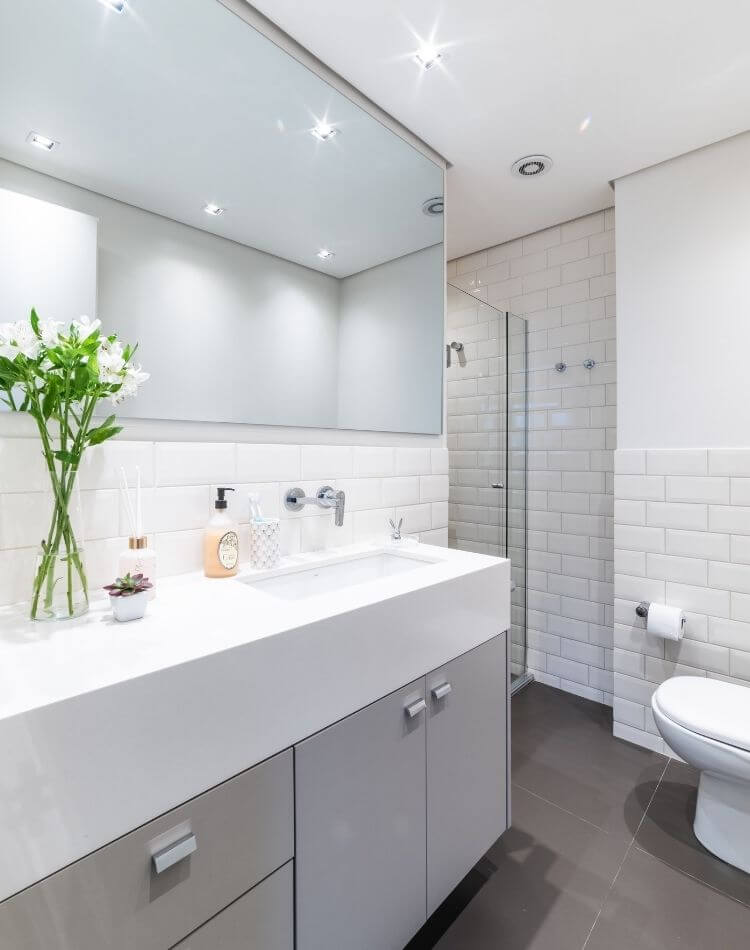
138	557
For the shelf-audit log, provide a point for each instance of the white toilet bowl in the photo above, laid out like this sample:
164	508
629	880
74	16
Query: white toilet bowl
707	723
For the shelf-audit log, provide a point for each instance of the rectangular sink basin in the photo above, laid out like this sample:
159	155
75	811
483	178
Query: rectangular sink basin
298	584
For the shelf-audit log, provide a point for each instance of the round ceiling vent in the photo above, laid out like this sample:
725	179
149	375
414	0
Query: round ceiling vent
433	206
531	166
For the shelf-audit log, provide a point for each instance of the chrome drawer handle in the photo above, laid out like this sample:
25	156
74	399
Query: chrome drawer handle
175	853
440	692
415	708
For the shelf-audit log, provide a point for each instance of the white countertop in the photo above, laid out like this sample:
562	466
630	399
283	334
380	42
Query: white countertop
103	725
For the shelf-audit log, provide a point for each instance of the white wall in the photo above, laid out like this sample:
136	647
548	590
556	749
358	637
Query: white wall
390	344
562	281
682	488
683	289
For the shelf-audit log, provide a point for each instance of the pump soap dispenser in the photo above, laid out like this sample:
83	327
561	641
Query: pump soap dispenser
221	541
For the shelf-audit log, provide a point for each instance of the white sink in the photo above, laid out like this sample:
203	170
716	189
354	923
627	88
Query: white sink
298	583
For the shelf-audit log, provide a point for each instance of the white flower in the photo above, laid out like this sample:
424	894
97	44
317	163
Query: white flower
83	327
50	331
19	339
111	361
132	378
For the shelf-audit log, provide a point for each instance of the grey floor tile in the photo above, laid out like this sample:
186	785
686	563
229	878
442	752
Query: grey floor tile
654	907
563	750
667	833
553	873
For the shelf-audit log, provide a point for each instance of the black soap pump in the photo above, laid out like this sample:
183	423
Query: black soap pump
221	540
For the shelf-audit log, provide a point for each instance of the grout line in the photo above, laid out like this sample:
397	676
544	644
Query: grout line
625	856
559	807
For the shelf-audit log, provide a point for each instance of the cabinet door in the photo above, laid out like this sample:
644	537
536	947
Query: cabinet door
360	828
466	764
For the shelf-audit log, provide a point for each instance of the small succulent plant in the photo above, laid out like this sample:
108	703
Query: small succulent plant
129	585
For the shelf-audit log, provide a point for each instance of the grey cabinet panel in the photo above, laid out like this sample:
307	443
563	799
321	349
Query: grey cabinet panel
113	900
261	920
360	833
466	765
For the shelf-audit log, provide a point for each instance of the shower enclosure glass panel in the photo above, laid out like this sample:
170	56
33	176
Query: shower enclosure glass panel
487	424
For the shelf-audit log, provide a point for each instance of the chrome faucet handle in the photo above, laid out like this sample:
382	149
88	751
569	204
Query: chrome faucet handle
396	532
329	497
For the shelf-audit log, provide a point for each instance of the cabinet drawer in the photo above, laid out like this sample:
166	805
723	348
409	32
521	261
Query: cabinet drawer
262	919
114	899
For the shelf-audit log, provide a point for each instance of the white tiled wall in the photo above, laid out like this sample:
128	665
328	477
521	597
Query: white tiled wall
562	280
682	537
179	478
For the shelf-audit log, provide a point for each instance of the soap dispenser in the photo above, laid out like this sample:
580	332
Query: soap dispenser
221	540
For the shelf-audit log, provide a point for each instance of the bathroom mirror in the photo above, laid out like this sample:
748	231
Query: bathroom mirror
276	251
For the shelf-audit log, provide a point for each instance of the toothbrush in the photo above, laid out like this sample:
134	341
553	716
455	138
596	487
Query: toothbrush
254	499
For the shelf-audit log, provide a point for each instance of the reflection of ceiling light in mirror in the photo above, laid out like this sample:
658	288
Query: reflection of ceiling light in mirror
585	124
324	131
41	141
427	55
325	255
117	5
433	206
213	210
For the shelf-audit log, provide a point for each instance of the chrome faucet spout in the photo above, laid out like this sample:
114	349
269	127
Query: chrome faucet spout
326	497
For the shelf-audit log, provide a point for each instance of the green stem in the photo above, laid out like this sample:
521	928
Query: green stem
62	485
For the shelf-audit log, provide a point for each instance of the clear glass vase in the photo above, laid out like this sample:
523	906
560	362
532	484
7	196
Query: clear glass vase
60	588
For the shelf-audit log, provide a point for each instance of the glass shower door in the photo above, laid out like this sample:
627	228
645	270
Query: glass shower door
487	420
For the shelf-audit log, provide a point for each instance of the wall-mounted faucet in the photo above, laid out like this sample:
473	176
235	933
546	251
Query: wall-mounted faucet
326	497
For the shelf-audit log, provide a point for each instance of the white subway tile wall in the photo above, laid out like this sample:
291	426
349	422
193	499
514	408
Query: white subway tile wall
561	281
690	551
179	481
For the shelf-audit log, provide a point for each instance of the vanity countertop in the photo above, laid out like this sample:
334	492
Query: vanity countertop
103	725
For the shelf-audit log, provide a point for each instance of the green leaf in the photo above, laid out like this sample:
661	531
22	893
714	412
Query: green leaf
101	434
66	457
49	403
34	320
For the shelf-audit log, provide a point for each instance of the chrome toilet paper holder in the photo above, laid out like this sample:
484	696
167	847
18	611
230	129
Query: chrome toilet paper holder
642	611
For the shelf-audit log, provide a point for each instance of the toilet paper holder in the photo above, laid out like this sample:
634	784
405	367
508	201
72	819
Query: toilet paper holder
643	608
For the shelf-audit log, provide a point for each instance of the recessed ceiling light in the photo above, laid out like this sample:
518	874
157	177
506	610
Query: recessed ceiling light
214	210
324	131
434	206
531	166
117	5
325	255
427	55
41	141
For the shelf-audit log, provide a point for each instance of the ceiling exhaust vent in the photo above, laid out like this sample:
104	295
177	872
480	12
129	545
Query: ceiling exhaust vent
531	166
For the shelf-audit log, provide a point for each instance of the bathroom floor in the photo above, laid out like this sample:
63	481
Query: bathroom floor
601	854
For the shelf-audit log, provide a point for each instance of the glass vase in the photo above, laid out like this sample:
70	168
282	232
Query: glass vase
60	588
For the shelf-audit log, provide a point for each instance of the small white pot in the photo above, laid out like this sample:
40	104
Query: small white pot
128	608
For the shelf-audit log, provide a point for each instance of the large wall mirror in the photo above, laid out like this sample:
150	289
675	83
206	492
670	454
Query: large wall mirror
276	251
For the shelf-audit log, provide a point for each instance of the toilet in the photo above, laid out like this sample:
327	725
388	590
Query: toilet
707	723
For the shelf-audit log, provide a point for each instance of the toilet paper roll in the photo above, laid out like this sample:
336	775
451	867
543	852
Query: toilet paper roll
667	622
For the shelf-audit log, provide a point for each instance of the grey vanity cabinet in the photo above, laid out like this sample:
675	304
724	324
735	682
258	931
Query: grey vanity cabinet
393	810
360	829
466	764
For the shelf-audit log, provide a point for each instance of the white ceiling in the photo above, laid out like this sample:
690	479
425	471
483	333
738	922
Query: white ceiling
658	78
172	105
